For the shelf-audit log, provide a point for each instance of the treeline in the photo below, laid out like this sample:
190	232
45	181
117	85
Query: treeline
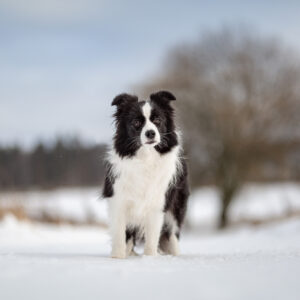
65	163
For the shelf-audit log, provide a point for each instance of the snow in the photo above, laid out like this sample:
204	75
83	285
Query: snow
69	204
83	205
255	202
65	262
44	261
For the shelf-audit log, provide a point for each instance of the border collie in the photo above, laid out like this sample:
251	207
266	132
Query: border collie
146	180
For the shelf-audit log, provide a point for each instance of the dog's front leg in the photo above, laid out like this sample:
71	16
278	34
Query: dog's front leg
153	226
118	235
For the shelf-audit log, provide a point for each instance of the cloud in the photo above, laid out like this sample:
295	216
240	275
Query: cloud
53	10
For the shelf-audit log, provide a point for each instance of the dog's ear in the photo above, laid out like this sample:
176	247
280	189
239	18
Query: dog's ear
162	97
124	99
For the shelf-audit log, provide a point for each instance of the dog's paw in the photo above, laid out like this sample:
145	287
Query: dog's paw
118	255
133	253
150	252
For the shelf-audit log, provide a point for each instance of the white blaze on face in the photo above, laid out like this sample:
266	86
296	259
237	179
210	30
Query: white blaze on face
146	109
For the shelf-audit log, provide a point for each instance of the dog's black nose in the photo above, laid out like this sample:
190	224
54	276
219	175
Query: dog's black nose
150	134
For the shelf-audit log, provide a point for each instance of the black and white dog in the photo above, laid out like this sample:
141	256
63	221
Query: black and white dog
146	178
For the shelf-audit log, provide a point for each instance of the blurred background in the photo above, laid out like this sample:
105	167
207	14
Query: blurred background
234	67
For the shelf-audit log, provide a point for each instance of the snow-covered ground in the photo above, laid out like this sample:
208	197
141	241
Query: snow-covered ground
79	205
83	205
65	262
256	202
39	261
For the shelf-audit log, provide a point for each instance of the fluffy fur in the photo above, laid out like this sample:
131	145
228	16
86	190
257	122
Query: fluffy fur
146	180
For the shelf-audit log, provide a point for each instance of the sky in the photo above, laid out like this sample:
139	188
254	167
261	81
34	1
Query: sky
62	62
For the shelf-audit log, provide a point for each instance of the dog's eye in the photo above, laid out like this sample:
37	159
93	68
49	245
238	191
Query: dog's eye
157	121
136	123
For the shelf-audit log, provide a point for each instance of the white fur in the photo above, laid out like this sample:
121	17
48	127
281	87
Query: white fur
149	126
139	195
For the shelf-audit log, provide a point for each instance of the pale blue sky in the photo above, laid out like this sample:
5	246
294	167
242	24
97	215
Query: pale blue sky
62	62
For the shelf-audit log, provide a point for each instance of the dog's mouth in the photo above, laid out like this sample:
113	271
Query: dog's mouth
150	142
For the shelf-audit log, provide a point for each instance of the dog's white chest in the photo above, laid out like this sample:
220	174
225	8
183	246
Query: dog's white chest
143	180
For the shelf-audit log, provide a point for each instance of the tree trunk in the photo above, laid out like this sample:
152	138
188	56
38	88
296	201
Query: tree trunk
226	198
223	219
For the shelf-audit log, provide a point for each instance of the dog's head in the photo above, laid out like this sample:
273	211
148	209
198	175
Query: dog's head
144	123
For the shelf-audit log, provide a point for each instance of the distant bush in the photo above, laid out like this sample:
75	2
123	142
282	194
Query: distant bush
66	163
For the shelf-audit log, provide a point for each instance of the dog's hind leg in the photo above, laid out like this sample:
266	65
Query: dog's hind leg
169	245
130	242
168	242
130	248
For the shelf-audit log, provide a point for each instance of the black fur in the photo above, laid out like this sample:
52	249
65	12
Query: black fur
109	181
162	97
177	196
163	108
124	99
131	233
126	139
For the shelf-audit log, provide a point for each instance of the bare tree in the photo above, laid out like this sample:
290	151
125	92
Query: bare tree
239	104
